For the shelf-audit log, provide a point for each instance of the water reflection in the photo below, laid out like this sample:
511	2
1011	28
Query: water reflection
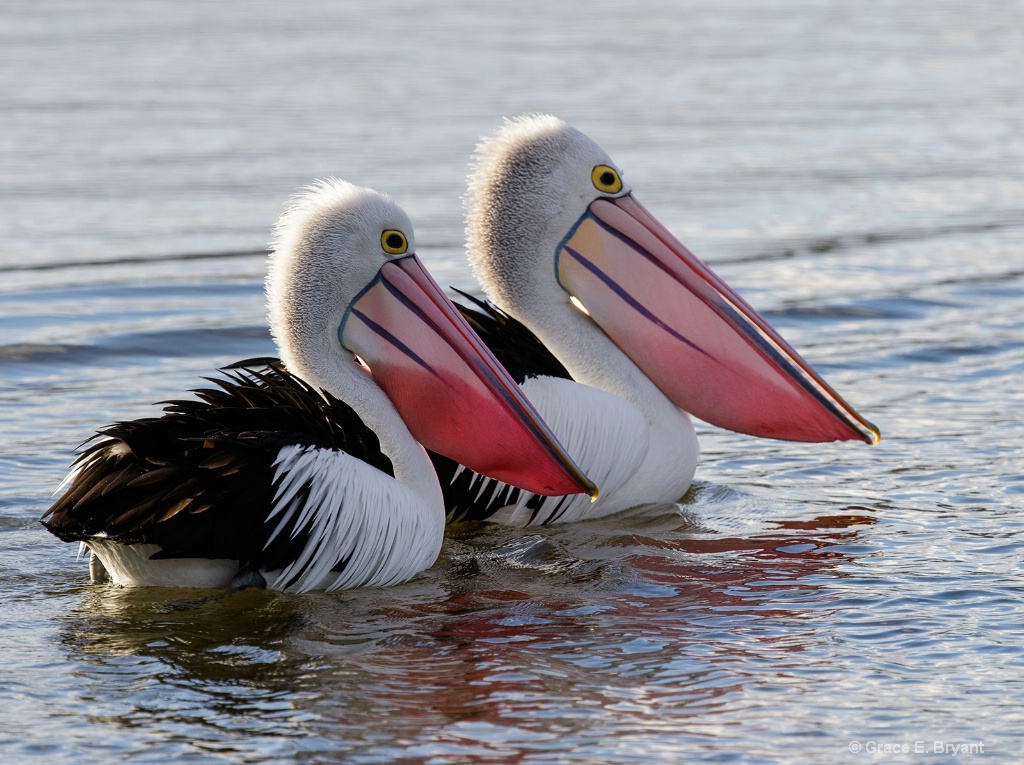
548	640
199	672
634	624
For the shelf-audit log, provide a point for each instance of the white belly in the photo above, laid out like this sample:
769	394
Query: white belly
131	566
633	461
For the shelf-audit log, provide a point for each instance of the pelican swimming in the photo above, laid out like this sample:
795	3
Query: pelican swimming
309	472
616	332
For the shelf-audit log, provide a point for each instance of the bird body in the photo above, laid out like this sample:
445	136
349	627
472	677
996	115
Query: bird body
643	333
311	472
637	445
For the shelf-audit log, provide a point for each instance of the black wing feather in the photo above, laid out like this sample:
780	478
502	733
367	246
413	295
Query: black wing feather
524	356
515	346
198	481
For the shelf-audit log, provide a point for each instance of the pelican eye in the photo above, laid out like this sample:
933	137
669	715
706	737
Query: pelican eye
606	179
394	242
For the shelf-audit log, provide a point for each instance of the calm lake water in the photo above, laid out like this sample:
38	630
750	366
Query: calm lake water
856	170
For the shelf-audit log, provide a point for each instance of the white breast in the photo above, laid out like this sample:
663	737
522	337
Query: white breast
631	460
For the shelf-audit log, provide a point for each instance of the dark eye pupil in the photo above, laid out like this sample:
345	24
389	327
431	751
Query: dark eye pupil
394	241
607	178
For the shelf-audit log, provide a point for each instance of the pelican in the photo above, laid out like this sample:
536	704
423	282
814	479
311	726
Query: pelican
616	332
311	472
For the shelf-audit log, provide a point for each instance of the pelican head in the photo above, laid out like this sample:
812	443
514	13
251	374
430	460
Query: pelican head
348	298
550	220
327	246
532	182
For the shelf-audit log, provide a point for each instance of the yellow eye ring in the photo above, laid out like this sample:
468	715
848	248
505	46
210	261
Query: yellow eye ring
393	241
606	179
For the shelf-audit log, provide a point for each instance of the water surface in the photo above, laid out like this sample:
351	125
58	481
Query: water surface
856	172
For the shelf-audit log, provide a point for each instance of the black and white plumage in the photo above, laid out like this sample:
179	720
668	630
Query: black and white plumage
606	434
304	473
181	483
577	273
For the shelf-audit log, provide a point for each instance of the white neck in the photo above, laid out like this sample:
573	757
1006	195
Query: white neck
593	359
338	374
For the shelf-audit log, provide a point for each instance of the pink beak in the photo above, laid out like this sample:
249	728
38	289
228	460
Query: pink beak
450	390
692	334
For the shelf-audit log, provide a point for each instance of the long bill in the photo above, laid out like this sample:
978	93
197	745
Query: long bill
692	334
452	392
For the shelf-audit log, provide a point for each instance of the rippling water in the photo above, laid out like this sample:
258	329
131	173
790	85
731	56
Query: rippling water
857	171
